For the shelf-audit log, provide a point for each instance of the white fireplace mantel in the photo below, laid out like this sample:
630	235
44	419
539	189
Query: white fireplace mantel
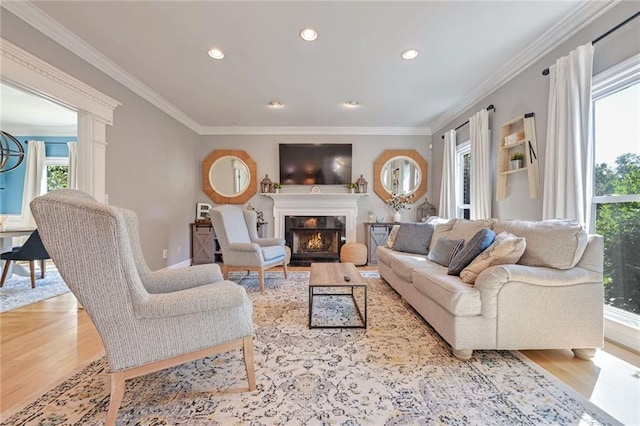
315	204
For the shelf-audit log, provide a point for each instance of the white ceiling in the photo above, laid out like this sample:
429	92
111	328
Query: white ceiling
465	47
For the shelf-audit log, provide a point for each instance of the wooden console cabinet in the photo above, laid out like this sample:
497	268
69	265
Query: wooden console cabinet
376	234
204	245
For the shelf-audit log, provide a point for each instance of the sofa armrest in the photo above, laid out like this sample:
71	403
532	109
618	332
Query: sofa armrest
492	280
244	247
169	280
267	242
220	295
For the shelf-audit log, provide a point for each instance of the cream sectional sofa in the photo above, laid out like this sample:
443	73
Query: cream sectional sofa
551	299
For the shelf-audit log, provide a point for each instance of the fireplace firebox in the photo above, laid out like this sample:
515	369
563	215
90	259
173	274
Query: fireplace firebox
314	238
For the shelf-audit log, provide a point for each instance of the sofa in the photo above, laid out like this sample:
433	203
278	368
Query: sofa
547	296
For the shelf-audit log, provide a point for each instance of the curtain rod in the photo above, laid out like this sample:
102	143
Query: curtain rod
53	143
489	108
597	39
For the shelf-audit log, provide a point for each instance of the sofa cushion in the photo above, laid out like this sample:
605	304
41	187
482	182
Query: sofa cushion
448	291
554	243
413	238
476	245
441	229
403	264
272	252
445	250
505	249
465	229
392	235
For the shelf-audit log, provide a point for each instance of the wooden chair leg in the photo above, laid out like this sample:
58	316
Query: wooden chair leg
261	279
247	350
5	270
43	267
117	391
225	272
284	266
32	269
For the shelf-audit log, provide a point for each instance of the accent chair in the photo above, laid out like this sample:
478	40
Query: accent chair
30	251
242	249
147	320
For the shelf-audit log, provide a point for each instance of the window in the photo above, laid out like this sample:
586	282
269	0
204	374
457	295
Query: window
463	180
57	174
616	200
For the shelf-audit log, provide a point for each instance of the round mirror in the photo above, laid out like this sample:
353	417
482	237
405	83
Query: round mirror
401	175
400	171
229	176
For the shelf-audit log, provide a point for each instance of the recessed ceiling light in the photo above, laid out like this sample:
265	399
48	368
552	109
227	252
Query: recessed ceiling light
409	54
216	54
351	104
275	104
309	34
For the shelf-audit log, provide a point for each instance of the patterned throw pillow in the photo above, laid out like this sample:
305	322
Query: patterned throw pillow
413	238
445	250
392	236
476	245
505	249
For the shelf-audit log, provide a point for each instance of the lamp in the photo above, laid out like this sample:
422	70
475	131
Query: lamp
10	158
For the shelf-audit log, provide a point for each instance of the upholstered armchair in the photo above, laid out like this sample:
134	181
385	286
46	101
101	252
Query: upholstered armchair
147	320
242	249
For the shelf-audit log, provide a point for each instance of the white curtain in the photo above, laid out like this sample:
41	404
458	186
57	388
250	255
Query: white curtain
32	179
73	165
480	166
569	151
448	188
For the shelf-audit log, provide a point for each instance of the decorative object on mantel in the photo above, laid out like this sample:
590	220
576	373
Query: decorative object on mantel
315	189
10	157
399	202
265	184
351	186
361	185
425	210
276	187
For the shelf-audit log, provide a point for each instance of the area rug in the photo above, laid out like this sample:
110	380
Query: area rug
397	371
17	291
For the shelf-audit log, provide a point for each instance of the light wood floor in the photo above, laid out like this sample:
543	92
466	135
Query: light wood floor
44	343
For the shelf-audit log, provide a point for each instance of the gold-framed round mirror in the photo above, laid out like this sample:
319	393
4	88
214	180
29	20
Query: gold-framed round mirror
400	171
229	176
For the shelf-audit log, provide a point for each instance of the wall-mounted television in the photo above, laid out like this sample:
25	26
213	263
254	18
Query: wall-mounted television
315	164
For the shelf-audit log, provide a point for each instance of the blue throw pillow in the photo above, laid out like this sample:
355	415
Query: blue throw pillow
476	245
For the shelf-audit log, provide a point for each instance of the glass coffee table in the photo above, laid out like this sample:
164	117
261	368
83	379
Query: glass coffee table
337	275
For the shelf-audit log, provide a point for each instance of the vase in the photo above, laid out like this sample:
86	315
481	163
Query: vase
396	216
372	218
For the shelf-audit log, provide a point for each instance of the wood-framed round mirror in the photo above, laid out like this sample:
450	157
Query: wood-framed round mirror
400	171
229	176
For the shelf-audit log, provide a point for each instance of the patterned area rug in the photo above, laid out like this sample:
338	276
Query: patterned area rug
17	291
398	371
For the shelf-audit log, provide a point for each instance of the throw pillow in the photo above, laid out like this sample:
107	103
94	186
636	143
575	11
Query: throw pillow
505	249
445	250
392	236
476	245
413	238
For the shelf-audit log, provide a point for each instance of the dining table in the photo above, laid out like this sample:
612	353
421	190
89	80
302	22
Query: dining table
6	244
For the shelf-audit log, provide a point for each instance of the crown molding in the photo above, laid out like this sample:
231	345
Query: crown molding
41	131
54	30
568	26
300	130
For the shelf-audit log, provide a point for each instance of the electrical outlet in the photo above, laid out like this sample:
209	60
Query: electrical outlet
179	249
165	253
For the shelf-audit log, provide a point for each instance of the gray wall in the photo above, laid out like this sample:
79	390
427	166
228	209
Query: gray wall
366	149
529	92
151	158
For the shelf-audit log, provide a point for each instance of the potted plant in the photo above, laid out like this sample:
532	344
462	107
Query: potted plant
351	187
517	158
276	187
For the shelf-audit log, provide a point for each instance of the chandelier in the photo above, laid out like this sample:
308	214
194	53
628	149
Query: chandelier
11	152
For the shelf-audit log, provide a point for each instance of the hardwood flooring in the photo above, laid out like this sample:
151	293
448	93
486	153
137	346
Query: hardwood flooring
44	343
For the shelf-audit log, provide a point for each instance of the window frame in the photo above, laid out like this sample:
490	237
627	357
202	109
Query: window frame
51	161
462	149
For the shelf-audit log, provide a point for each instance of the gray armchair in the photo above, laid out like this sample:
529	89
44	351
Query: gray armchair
147	320
237	234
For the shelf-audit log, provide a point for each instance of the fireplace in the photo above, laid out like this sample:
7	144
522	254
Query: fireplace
314	238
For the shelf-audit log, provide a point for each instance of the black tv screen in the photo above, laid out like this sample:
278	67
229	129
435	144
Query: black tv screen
315	164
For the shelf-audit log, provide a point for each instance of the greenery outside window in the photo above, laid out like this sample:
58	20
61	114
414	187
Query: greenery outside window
57	173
